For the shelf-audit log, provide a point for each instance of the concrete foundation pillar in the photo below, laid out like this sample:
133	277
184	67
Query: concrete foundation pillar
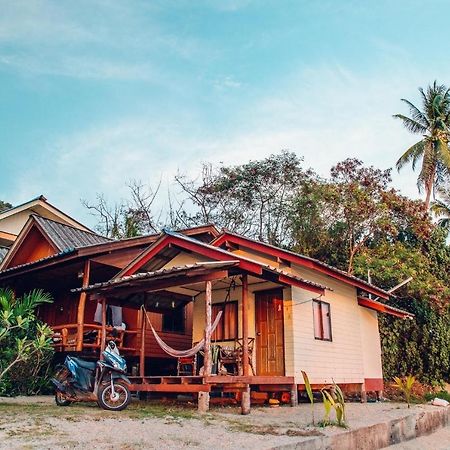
203	402
294	395
363	394
245	401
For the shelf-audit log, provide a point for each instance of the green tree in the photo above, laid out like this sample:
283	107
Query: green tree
427	261
25	342
252	199
334	220
432	123
441	209
4	205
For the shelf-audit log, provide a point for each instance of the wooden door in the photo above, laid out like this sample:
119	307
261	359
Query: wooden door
269	332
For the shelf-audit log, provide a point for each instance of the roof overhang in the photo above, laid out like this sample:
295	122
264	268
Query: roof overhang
147	288
40	205
7	239
382	307
228	238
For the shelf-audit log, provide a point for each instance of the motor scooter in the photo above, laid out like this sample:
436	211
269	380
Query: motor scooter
104	381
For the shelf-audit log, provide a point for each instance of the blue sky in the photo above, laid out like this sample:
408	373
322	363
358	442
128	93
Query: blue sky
95	93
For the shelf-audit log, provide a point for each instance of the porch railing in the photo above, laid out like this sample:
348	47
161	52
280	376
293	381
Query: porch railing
65	337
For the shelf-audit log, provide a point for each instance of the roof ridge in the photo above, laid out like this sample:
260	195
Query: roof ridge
39	197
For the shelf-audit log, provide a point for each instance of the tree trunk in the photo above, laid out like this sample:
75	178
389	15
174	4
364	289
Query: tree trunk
428	189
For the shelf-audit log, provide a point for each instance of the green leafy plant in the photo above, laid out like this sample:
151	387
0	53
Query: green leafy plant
309	392
405	385
337	401
25	342
340	405
327	404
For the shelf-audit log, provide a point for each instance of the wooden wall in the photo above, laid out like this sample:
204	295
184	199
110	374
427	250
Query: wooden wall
37	247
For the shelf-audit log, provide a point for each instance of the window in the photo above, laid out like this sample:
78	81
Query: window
322	320
173	321
227	329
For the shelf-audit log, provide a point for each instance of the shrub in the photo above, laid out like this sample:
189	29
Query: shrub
25	343
442	394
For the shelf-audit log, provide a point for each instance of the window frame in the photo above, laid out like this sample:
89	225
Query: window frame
319	334
222	322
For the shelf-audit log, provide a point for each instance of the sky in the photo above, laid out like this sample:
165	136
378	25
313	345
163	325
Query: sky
96	93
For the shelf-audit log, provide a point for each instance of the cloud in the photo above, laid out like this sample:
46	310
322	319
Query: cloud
90	39
325	112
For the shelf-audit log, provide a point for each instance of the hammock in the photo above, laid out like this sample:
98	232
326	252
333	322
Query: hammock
182	353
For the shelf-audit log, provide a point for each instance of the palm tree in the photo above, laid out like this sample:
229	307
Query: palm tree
441	208
432	122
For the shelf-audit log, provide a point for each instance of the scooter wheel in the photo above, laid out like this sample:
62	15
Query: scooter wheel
60	400
121	399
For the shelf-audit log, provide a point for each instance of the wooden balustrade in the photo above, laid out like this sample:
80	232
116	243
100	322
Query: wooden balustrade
66	337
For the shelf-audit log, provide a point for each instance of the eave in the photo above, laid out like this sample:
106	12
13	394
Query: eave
383	308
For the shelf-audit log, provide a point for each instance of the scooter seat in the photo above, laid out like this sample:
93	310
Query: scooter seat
85	364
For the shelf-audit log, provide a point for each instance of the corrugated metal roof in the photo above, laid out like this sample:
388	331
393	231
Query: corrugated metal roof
214	265
169	271
66	237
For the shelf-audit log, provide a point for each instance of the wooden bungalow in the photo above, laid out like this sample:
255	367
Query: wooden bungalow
277	312
56	257
281	312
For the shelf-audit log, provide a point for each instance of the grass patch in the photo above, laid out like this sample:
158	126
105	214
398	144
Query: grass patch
80	411
243	427
442	394
332	423
158	410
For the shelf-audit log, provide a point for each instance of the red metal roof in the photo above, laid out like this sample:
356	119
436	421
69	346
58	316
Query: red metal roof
382	307
301	260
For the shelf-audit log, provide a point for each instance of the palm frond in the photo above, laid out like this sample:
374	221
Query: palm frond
443	153
411	124
444	223
411	155
439	208
416	113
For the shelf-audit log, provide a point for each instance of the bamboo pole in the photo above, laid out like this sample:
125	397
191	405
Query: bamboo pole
142	351
208	313
203	397
245	400
82	307
103	342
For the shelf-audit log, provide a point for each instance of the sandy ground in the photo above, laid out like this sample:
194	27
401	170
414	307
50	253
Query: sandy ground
36	423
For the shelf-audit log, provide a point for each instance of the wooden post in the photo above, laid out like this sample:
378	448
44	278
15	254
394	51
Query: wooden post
244	306
142	352
103	343
203	397
82	306
245	401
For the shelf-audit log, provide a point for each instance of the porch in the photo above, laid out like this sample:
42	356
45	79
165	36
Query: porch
204	284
